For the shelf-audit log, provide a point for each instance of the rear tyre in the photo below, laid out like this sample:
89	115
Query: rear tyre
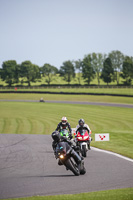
82	169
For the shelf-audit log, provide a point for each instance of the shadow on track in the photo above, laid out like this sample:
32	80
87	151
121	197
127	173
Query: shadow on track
50	176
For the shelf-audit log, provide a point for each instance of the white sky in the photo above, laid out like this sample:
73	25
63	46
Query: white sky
54	31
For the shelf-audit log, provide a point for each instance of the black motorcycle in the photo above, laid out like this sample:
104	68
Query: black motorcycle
70	158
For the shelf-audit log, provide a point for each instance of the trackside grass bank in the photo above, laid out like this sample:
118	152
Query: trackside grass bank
70	89
119	194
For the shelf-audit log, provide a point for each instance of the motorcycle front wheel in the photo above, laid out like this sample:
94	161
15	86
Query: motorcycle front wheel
84	154
71	164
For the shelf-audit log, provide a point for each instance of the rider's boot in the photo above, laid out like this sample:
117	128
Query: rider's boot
59	162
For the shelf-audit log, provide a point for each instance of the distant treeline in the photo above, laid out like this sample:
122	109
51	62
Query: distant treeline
108	68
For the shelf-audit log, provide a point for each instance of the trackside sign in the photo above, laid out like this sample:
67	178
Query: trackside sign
102	137
73	130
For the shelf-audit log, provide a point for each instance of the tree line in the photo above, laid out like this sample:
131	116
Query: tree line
109	68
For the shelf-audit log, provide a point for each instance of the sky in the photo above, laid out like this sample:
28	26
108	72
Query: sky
55	31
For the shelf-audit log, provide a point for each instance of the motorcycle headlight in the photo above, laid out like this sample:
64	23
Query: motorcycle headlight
61	156
85	137
79	138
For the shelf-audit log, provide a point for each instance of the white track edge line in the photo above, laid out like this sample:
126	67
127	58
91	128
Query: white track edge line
112	153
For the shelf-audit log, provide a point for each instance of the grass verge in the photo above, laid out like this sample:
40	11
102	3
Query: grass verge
121	91
119	194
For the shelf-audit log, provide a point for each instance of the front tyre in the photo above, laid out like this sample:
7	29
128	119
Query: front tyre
71	164
84	154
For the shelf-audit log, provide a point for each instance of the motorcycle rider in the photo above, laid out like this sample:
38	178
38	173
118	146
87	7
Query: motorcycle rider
64	125
58	138
81	125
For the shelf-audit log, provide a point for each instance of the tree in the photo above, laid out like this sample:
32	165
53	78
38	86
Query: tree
8	72
97	63
107	71
49	71
78	67
88	72
67	71
127	70
29	71
117	60
0	72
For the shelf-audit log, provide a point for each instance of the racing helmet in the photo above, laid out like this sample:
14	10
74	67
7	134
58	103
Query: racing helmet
64	120
81	122
56	136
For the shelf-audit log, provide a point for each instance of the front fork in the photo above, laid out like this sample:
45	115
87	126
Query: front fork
76	156
86	143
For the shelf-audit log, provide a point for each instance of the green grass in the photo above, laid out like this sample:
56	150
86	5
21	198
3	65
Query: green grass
119	194
88	98
121	91
42	118
60	80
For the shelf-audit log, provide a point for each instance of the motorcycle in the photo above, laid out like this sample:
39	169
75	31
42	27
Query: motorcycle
83	141
64	132
69	158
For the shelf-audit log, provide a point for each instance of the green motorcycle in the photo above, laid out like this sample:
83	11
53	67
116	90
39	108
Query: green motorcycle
64	132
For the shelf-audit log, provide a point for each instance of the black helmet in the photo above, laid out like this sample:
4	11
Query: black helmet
56	136
81	122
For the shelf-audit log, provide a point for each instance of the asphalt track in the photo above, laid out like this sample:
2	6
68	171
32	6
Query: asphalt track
93	103
28	168
76	102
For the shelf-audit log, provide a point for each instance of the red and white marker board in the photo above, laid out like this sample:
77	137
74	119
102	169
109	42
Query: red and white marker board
102	137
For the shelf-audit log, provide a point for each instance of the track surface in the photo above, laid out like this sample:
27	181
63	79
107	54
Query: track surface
28	168
94	103
76	102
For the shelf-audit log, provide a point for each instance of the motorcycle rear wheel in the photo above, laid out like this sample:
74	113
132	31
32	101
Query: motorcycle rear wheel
82	168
